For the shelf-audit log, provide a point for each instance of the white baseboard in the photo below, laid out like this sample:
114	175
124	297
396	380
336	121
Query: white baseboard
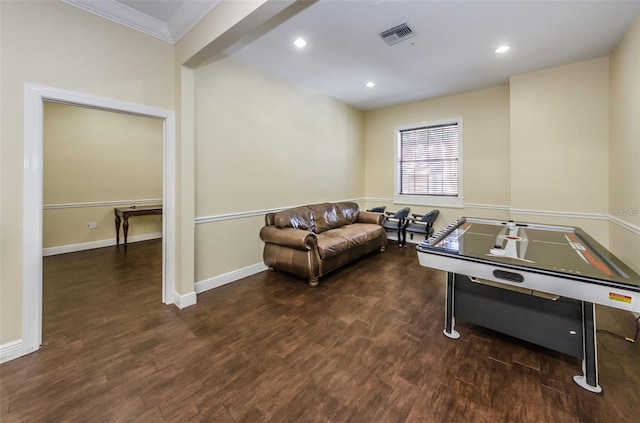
226	278
72	248
11	351
183	301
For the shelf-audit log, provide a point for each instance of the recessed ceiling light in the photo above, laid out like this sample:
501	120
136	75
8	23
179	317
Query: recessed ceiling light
370	84
300	43
502	49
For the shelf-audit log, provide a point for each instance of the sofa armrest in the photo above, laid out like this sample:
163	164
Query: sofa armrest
298	239
370	217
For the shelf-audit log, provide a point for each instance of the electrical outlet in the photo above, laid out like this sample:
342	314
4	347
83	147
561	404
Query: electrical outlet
92	225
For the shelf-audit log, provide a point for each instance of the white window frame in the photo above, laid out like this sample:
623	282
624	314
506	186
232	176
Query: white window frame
429	200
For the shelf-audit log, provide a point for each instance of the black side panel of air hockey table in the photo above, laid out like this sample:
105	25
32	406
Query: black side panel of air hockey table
545	322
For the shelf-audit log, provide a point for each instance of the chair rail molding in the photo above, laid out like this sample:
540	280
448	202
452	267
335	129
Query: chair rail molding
575	215
625	225
252	213
106	203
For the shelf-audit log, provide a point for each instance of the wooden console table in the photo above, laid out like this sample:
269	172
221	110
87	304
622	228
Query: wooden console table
123	214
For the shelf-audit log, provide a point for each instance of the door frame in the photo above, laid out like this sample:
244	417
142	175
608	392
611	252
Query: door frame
34	98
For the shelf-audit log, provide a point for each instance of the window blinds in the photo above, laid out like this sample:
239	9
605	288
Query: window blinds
429	160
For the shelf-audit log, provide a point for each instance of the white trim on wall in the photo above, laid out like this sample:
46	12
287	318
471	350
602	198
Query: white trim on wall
185	18
229	277
235	275
11	351
238	215
486	206
574	215
184	301
625	225
34	98
578	215
253	213
378	200
72	248
108	203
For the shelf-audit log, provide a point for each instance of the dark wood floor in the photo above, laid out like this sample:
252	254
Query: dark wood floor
365	346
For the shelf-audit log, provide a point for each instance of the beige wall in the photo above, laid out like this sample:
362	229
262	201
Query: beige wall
56	45
560	145
97	156
536	150
559	138
226	24
225	19
264	143
486	164
624	152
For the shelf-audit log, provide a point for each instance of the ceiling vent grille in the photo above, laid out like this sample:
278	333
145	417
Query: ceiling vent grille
397	34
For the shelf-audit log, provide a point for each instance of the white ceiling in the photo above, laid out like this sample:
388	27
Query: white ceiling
451	53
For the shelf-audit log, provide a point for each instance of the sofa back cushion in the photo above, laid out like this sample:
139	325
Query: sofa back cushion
318	217
324	216
297	217
347	212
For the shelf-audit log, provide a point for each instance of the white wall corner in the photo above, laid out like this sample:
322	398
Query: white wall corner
184	301
11	351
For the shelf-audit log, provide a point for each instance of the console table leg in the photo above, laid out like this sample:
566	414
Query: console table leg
125	229
117	229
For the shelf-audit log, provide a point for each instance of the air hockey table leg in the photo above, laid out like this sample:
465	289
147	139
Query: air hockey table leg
589	377
449	318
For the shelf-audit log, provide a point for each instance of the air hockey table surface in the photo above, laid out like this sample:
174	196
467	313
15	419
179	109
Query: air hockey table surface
558	260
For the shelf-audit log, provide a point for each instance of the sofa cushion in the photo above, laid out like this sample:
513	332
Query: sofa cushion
324	216
361	233
297	217
332	243
347	212
335	241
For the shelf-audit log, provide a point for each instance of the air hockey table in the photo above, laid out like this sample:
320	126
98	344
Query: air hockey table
535	282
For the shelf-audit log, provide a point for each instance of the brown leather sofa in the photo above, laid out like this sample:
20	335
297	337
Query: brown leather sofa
310	241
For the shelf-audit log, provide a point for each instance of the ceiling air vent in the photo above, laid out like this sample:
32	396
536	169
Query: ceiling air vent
396	34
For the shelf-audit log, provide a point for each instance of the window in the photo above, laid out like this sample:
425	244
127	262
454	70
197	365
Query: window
429	164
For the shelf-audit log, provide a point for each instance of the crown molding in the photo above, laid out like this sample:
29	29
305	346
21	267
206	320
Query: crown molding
188	15
185	18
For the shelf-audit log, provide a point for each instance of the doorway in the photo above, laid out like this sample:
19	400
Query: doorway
94	161
34	98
